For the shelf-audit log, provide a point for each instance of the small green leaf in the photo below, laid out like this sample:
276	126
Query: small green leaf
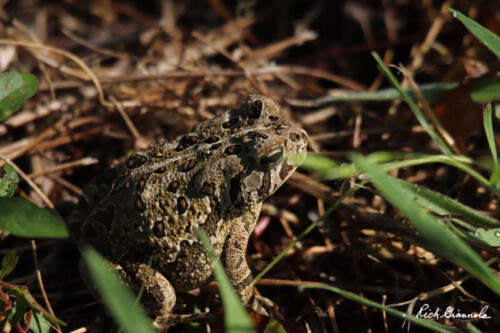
490	237
274	326
24	298
9	262
486	37
8	181
118	298
19	308
39	324
22	218
235	316
15	89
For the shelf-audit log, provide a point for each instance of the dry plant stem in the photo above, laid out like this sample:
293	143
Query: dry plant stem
279	47
298	70
80	330
431	36
63	182
90	46
320	74
66	54
81	162
126	118
44	198
420	51
68	138
332	316
430	115
247	73
19	151
384	314
18	148
19	25
392	34
40	283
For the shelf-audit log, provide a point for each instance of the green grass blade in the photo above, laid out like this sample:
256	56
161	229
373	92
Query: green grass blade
412	159
472	329
416	111
430	324
486	37
485	90
235	316
431	91
444	205
22	218
488	129
436	234
118	298
315	162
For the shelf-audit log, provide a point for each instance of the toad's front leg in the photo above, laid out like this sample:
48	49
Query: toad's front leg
236	265
234	253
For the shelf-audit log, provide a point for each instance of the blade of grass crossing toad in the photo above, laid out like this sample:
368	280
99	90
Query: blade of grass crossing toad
416	111
15	89
430	324
436	234
22	218
119	299
235	316
486	37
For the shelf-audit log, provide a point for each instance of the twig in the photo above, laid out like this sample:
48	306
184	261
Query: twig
73	188
40	283
94	48
428	112
66	54
81	162
126	118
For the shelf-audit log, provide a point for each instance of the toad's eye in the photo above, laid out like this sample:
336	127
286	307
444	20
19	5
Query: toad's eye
272	156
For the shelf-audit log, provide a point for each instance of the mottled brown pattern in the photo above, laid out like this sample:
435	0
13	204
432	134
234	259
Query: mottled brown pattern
215	178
